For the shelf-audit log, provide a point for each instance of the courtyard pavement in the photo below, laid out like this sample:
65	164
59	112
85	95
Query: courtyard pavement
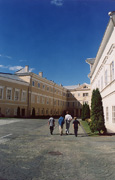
29	152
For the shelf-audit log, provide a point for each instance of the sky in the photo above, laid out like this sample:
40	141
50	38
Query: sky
52	36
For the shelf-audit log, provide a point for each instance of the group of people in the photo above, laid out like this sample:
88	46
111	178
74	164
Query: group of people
64	120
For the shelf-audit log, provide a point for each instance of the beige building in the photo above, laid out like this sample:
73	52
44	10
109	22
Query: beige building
13	93
29	91
102	73
35	95
78	95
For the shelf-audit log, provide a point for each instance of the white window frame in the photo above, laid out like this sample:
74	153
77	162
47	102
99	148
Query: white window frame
7	111
43	100
47	101
7	93
16	90
22	97
38	99
2	88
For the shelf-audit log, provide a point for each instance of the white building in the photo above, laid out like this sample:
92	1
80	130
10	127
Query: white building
102	73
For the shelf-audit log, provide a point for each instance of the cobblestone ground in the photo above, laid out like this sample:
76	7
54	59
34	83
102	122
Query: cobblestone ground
29	152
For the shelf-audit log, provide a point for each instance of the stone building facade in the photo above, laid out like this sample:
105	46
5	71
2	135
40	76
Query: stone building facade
102	73
78	95
33	93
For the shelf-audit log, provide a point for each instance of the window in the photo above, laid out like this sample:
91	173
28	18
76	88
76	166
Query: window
51	89
47	88
42	111
16	95
38	99
33	83
9	94
113	114
107	114
78	94
85	94
106	77
112	71
7	111
15	112
38	85
47	111
43	86
24	95
1	92
43	100
47	100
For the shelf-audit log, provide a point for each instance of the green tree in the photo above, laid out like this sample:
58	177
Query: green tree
97	116
85	112
82	112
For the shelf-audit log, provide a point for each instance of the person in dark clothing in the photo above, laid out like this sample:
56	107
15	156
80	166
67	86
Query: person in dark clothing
75	125
61	123
51	123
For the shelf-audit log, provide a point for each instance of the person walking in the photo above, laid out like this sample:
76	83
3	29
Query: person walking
75	125
51	123
61	123
68	119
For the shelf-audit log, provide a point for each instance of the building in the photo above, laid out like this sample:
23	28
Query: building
13	94
78	95
29	92
35	95
102	73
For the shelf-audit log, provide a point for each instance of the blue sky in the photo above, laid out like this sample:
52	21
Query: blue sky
53	36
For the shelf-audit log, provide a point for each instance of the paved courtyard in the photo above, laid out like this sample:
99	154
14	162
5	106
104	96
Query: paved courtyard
29	152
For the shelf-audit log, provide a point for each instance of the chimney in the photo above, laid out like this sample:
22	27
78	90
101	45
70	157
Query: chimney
26	68
41	74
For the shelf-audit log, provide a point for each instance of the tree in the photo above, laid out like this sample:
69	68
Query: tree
82	112
85	112
97	116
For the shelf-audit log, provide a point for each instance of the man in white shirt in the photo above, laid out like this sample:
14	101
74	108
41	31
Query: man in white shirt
68	119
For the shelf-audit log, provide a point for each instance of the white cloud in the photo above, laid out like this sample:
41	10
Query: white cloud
15	68
57	2
5	56
4	67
